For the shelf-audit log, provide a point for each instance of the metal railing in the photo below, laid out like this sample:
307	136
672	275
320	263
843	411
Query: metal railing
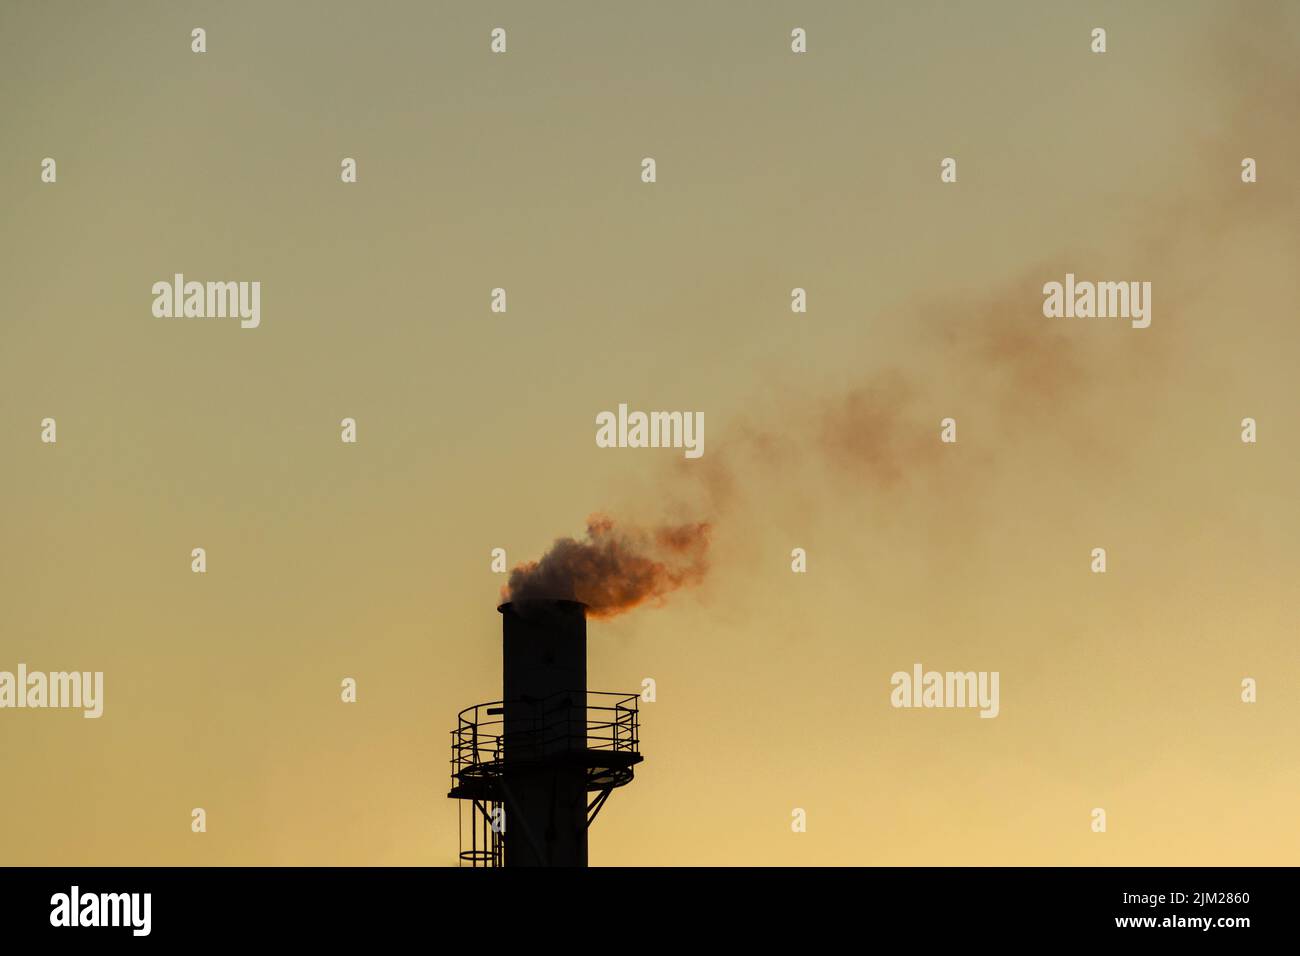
540	730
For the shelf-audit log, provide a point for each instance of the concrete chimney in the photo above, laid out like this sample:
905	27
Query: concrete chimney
537	766
544	678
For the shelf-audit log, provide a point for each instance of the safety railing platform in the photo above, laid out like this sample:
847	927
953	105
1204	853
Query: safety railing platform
603	738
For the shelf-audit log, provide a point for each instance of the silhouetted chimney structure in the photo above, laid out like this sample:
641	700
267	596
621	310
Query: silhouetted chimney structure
530	763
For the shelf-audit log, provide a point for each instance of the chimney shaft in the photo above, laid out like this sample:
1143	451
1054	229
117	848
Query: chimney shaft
544	651
544	678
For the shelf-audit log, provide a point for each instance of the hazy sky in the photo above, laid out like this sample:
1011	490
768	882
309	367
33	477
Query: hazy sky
775	170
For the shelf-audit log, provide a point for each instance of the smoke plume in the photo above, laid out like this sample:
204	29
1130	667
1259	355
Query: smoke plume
614	569
1030	389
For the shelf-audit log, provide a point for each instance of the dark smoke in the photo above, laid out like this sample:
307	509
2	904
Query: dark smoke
614	569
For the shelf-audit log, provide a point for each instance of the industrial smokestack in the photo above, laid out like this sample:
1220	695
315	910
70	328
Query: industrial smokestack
530	762
544	673
544	681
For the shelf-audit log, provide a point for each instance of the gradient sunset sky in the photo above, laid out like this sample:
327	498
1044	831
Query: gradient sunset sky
476	430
